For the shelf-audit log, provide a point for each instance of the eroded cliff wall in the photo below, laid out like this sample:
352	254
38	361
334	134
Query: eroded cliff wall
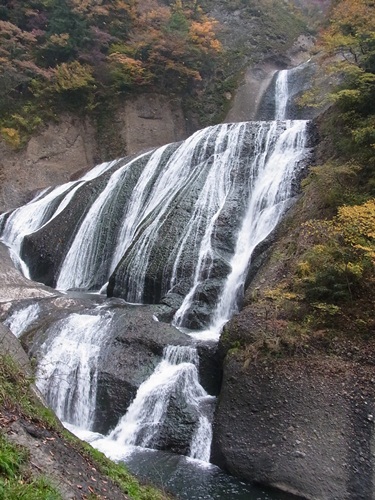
74	143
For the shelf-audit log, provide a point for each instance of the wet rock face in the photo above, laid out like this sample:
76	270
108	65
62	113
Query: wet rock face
44	250
177	429
305	426
167	246
210	367
127	359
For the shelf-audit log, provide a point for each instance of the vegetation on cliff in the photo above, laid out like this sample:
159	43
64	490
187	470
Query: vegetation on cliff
338	269
317	290
58	54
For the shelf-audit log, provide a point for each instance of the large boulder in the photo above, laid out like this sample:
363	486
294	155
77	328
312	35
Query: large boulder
129	355
302	425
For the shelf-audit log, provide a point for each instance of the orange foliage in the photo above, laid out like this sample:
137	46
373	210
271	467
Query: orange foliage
203	35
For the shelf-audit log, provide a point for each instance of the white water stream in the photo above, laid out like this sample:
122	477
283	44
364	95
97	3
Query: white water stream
83	262
19	321
176	375
281	95
269	197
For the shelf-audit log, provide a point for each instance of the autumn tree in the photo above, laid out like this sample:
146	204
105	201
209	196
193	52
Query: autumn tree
339	264
17	65
348	49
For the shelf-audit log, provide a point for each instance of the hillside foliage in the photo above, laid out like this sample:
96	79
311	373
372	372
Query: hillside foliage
336	267
349	41
57	54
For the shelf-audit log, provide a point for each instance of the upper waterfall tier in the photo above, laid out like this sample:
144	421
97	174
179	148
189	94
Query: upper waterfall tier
280	101
177	224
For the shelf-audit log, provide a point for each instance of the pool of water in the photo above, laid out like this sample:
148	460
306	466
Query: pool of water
189	479
183	477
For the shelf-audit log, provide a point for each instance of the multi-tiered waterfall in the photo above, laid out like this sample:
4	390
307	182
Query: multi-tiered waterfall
176	226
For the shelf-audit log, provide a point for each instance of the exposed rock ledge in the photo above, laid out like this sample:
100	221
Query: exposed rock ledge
14	286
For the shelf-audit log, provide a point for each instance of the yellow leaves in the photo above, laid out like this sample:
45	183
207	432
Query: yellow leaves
72	76
330	309
127	62
357	224
347	95
280	294
340	257
355	268
127	71
353	226
303	269
11	136
352	28
358	221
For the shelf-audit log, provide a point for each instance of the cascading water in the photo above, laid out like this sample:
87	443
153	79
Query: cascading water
67	368
281	95
179	223
176	376
42	209
22	319
85	264
270	195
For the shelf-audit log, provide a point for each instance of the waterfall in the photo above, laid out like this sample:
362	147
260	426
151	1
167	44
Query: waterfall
85	263
19	321
166	223
281	94
204	158
39	211
270	194
176	225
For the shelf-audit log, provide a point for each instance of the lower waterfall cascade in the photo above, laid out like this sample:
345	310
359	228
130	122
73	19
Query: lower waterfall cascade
177	226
